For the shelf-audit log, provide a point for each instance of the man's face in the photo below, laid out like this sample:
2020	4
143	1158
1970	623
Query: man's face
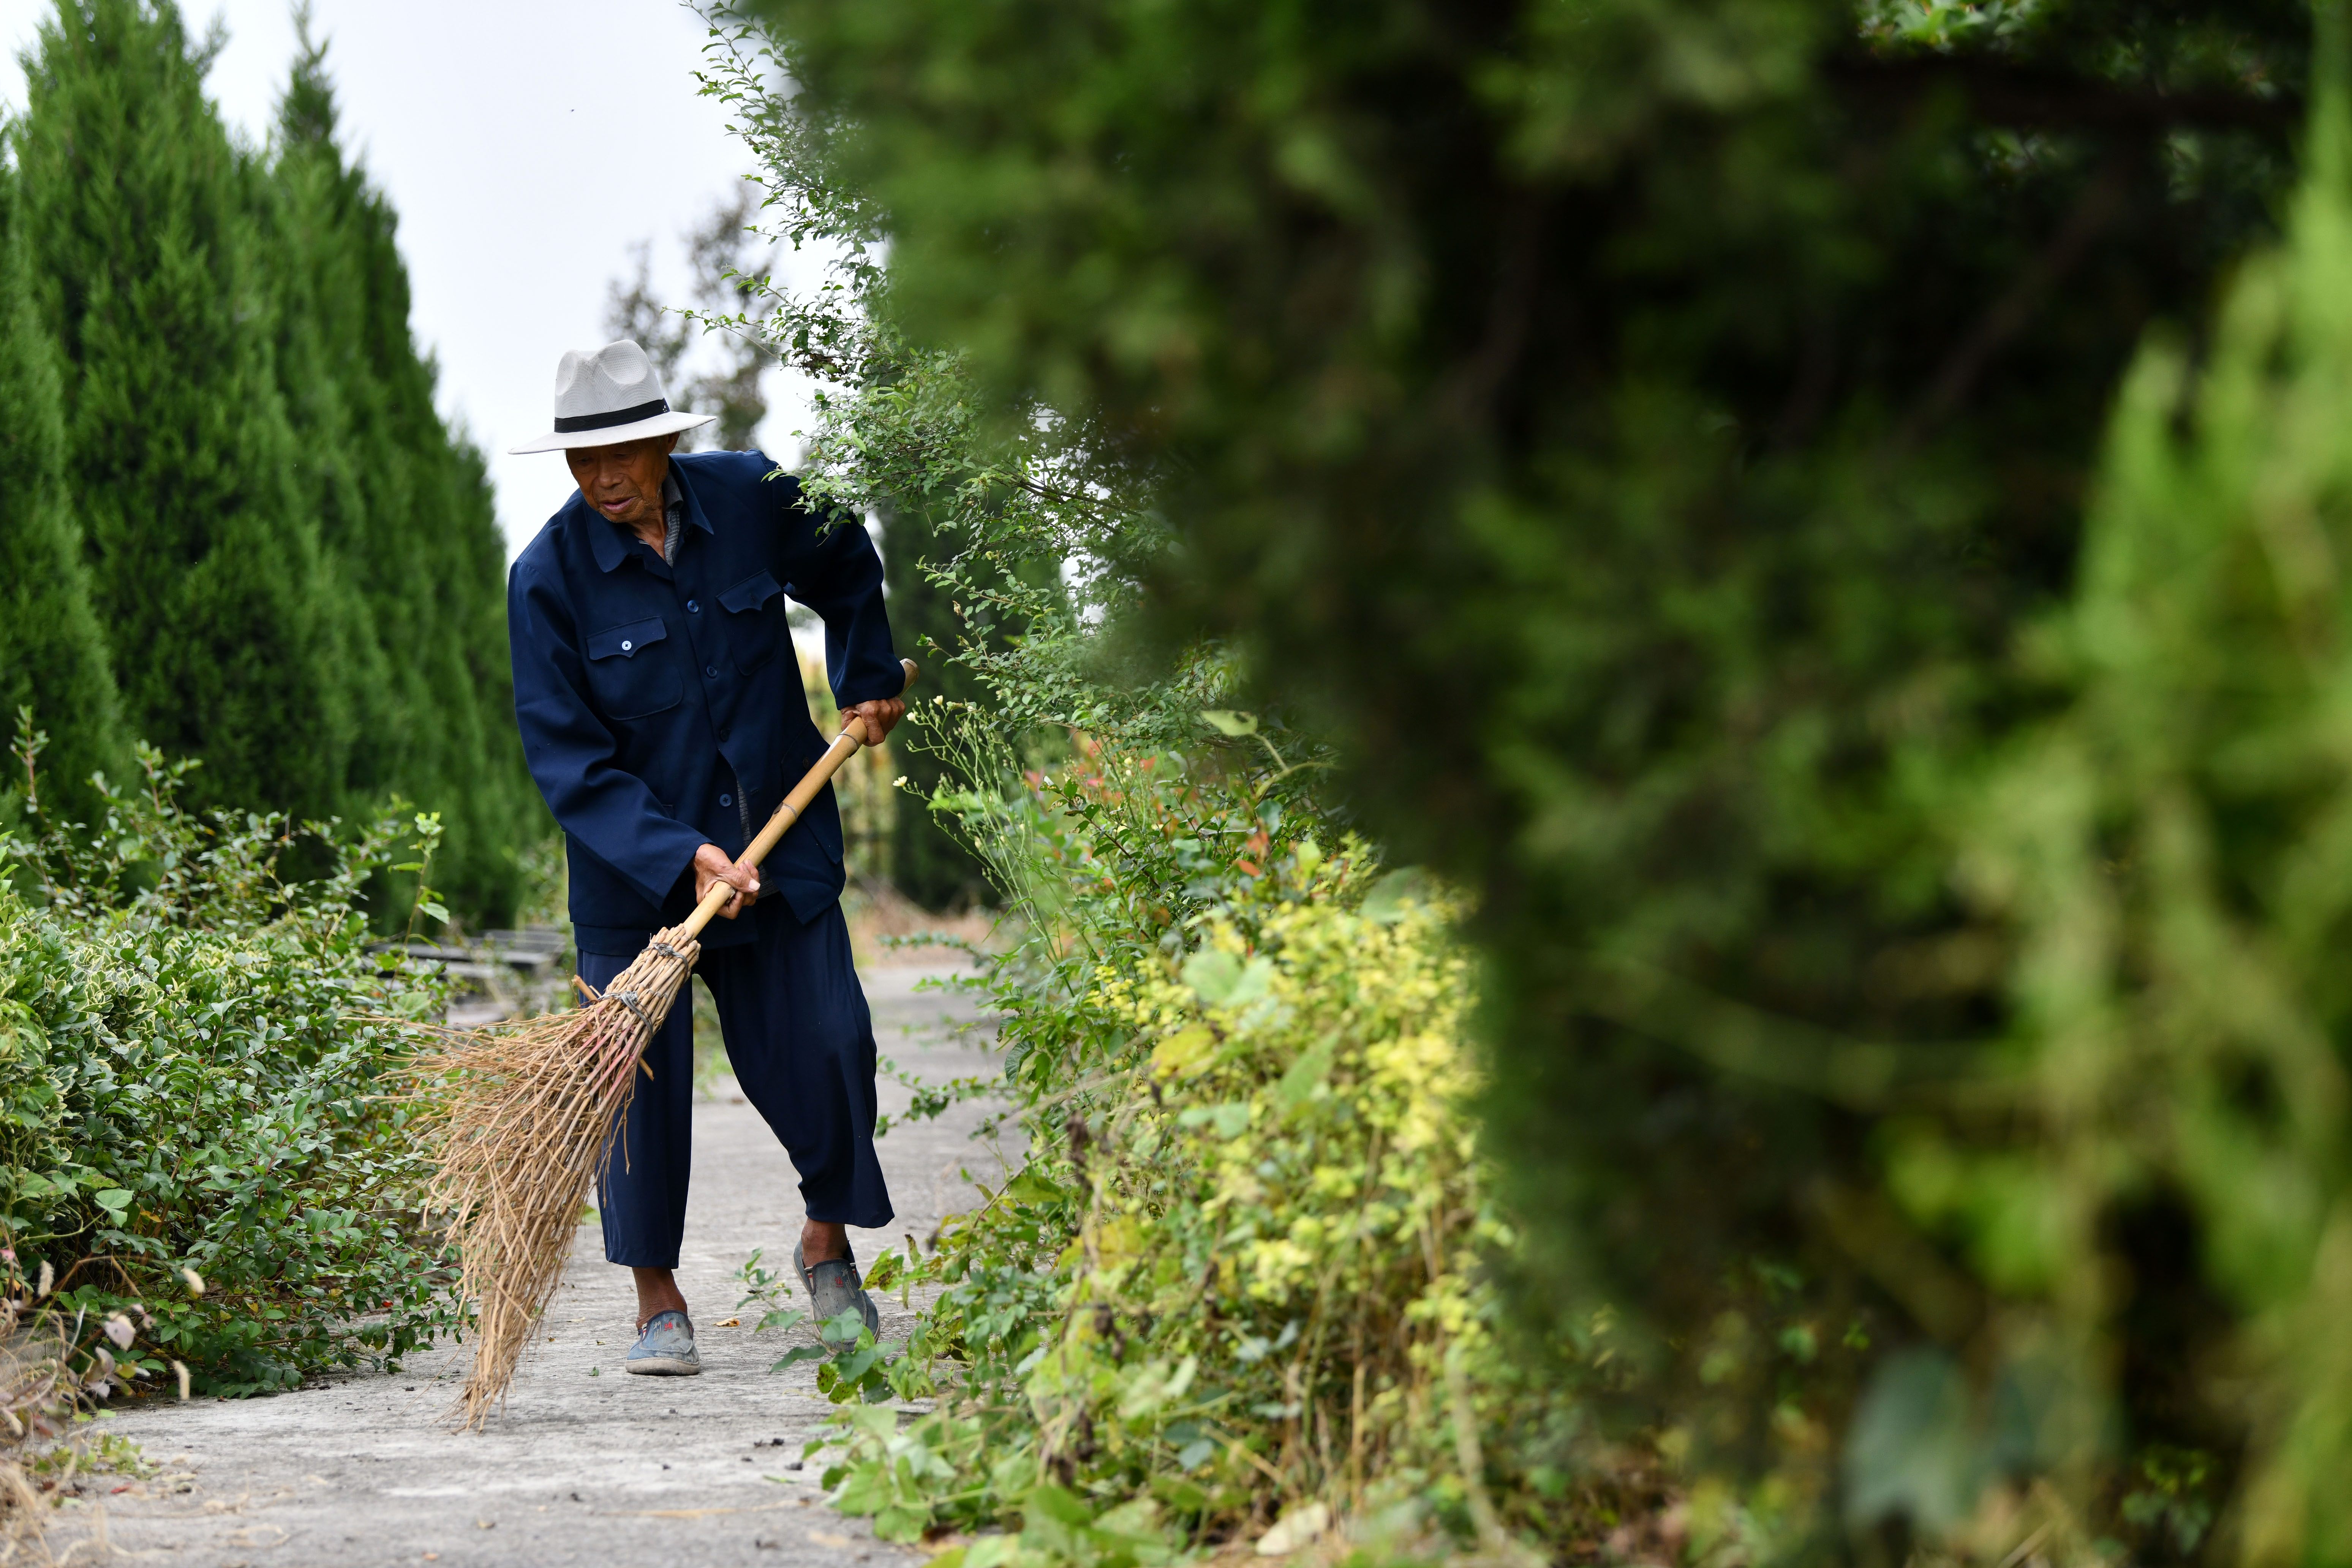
624	482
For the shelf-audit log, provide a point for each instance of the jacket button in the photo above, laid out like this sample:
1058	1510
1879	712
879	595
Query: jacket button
692	608
711	670
727	800
627	646
722	732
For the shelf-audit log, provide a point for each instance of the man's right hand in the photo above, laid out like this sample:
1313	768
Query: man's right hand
712	866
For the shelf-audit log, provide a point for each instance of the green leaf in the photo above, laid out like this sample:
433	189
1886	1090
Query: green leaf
900	1523
1306	1075
1393	894
1231	1120
866	1490
1213	974
1183	1053
1034	1186
1912	1450
1221	979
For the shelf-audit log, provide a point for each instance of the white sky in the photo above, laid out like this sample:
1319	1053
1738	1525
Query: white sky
527	146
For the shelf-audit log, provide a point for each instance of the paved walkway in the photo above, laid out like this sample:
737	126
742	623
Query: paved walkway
586	1465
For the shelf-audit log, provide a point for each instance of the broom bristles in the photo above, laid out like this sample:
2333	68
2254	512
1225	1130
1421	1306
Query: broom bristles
524	1120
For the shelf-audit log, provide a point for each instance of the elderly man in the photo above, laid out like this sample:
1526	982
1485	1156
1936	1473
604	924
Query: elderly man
662	714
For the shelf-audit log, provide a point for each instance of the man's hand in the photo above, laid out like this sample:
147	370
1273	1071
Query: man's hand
881	717
711	865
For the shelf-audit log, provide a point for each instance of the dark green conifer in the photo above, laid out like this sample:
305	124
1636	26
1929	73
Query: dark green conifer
299	200
405	507
52	656
206	573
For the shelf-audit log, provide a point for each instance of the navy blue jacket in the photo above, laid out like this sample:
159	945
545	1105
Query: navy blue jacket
660	702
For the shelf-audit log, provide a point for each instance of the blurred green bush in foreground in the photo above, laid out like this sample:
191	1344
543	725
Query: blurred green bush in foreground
2152	1172
1676	456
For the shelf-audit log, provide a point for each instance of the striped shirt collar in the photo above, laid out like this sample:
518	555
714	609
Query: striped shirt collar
673	516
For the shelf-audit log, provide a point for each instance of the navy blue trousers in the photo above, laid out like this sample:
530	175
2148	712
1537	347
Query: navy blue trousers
802	1042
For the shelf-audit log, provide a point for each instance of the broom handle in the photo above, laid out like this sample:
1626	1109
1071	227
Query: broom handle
845	746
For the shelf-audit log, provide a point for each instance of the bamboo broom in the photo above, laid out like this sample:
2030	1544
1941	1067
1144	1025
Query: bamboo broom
524	1124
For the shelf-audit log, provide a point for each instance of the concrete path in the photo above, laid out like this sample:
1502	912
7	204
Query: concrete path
586	1465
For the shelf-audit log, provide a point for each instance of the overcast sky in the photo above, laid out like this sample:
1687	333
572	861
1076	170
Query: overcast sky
527	146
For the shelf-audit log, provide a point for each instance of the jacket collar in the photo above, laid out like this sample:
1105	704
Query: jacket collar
610	541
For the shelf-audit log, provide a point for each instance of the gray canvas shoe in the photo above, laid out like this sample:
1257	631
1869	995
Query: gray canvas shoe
833	1288
666	1349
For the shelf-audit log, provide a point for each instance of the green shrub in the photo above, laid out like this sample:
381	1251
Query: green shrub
1240	1277
196	1047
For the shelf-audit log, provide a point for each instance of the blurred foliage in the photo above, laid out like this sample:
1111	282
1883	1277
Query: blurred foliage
197	1047
222	613
1659	446
2158	1188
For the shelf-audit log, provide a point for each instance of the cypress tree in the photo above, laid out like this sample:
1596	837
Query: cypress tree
205	574
298	201
52	656
405	506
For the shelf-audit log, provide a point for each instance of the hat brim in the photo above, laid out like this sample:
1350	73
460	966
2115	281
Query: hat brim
614	435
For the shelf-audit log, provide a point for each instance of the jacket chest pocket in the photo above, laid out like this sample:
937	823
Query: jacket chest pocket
756	620
631	672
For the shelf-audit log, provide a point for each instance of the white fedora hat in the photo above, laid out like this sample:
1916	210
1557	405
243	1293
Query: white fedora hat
609	396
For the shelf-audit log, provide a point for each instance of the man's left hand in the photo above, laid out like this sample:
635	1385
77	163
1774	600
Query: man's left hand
881	717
